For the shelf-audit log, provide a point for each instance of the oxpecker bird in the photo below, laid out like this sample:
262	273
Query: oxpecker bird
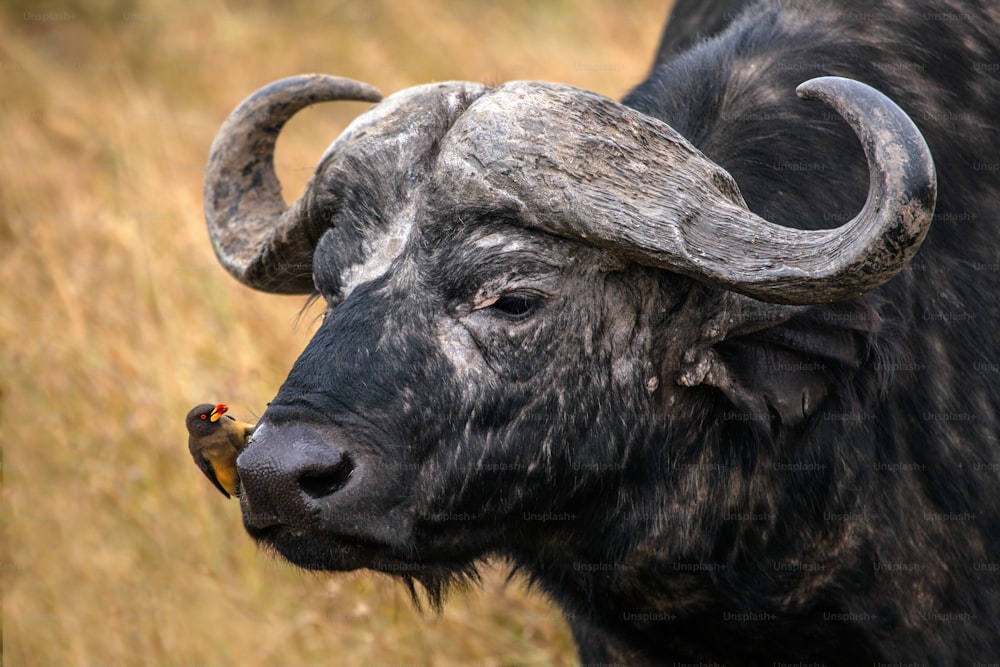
215	440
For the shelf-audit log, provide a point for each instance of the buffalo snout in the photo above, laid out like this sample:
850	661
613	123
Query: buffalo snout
289	475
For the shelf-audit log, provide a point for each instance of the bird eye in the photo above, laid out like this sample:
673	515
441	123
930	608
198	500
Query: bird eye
204	416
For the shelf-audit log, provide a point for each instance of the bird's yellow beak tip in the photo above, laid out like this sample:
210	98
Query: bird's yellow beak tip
218	411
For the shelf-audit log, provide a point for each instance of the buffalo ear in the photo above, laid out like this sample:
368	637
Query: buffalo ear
785	367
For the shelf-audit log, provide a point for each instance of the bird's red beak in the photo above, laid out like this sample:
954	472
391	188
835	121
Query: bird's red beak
218	411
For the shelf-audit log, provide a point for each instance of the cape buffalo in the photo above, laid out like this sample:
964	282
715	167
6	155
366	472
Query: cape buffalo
677	358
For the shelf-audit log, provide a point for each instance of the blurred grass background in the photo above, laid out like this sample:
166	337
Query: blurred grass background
115	319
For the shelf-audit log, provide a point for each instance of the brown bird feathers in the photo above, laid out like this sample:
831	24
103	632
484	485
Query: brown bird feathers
215	440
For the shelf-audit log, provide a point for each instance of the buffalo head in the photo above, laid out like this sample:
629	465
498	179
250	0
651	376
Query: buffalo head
530	289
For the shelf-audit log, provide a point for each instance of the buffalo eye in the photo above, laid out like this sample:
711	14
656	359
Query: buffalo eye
515	307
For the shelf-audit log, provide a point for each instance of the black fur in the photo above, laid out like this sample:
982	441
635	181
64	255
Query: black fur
854	519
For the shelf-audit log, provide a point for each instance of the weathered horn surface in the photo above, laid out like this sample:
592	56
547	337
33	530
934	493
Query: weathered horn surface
585	167
258	238
357	194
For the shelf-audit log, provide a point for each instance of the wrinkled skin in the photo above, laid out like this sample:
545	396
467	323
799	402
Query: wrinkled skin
455	360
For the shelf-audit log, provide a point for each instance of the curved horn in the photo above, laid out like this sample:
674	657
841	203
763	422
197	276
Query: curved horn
260	240
586	167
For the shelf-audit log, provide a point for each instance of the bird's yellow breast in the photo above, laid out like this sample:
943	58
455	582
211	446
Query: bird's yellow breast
227	476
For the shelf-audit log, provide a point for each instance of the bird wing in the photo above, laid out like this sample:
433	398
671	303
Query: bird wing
209	470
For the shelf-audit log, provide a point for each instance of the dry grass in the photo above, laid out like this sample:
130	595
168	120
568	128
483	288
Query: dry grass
115	319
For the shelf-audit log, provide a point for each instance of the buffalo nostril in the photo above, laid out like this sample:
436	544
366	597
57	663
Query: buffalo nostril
326	480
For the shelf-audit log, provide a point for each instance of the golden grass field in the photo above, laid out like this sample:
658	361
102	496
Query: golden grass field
115	319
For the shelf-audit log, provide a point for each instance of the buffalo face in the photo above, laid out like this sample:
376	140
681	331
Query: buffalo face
525	287
445	400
